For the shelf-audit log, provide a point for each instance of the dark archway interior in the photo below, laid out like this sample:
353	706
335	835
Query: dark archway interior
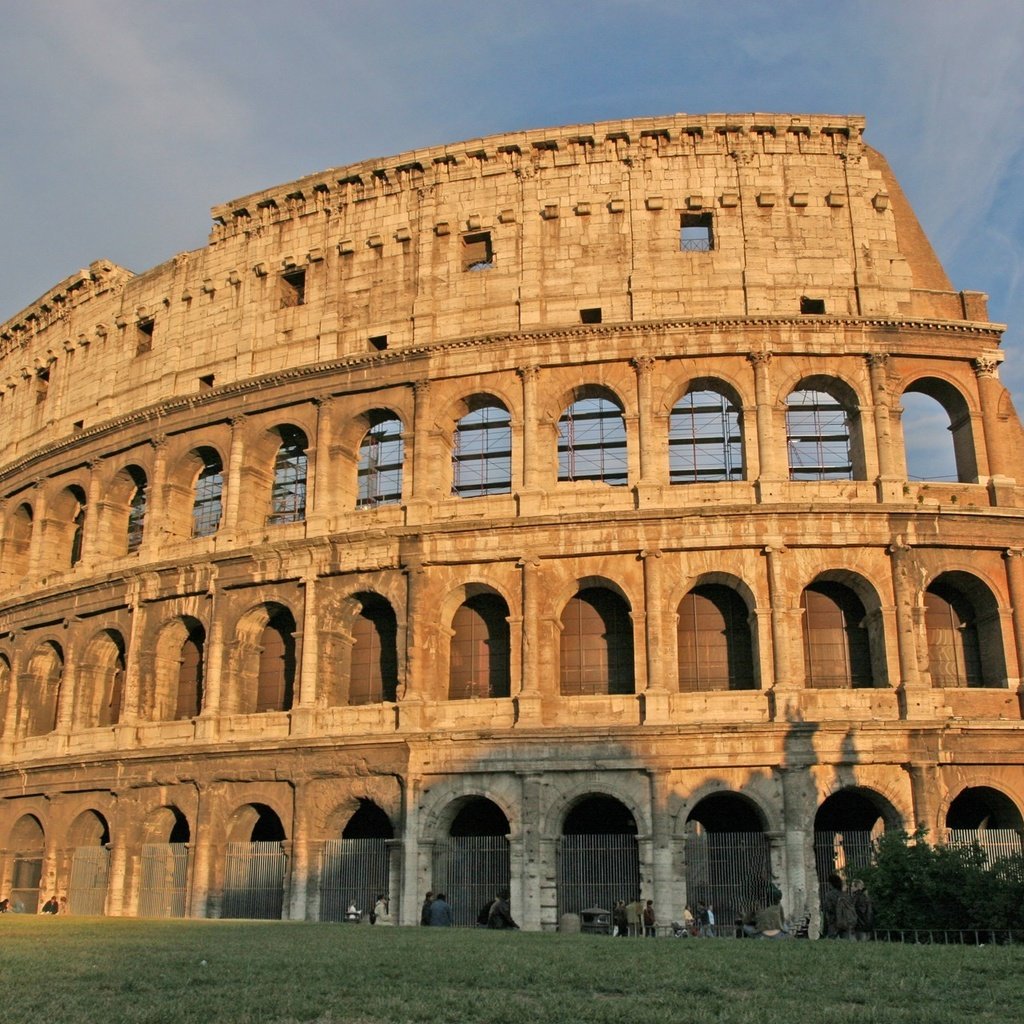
180	832
983	807
847	811
726	812
368	822
599	815
480	818
268	827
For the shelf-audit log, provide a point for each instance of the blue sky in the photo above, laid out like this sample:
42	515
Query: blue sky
124	121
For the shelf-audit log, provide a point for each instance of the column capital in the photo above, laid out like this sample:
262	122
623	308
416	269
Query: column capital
986	366
760	358
643	365
528	373
877	360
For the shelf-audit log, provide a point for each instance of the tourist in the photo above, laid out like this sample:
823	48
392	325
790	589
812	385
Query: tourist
381	913
619	925
650	921
500	914
440	912
829	902
425	909
865	911
51	906
634	916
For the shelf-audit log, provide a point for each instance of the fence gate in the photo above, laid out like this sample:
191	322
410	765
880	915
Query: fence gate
471	871
87	893
28	870
728	871
254	880
162	892
597	870
352	871
996	843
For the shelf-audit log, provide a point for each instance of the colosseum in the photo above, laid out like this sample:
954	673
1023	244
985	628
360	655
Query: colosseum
534	512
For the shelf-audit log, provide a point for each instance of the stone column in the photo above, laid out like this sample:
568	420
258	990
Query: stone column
233	483
299	862
530	484
528	699
667	900
799	798
769	472
421	491
656	694
413	688
916	697
652	468
116	872
924	789
37	544
154	524
990	393
93	499
889	484
782	614
1015	583
201	854
306	698
206	725
132	682
527	908
320	505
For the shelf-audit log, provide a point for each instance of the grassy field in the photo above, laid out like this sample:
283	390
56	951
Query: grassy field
73	971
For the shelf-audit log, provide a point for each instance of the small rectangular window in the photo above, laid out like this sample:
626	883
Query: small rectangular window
590	316
144	337
695	233
379	342
293	288
78	425
42	385
813	306
206	382
476	251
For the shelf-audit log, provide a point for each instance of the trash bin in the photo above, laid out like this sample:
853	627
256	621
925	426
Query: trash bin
596	921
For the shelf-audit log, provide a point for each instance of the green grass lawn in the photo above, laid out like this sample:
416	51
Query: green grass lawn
73	971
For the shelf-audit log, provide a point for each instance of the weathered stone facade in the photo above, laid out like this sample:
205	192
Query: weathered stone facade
406	494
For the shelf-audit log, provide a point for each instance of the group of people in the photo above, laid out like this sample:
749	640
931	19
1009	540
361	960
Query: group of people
635	918
436	912
847	912
51	906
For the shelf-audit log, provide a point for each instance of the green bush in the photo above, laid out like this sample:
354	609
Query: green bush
915	885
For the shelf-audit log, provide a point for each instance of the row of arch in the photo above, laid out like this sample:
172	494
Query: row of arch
706	441
847	813
716	643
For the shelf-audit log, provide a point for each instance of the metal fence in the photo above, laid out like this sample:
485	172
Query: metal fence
996	843
254	880
25	884
164	884
843	853
352	871
728	872
87	893
597	870
471	871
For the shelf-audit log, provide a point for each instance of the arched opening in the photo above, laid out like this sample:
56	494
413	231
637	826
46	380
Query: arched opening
592	441
846	827
89	839
189	697
39	690
288	489
276	679
163	880
599	859
101	672
965	641
356	869
482	451
822	432
937	435
374	664
596	652
714	641
5	687
381	460
207	493
988	818
255	864
471	865
17	543
705	441
728	862
837	648
64	528
26	843
479	649
137	500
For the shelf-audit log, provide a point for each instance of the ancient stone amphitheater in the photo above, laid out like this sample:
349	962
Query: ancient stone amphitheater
533	511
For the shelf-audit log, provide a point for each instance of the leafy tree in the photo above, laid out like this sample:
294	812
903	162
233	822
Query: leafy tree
915	885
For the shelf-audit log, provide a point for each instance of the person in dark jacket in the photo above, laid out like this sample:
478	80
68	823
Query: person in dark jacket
865	911
440	912
500	914
425	909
